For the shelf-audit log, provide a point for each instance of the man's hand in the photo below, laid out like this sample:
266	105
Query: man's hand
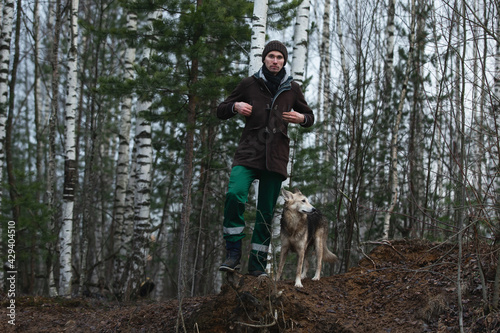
243	108
294	117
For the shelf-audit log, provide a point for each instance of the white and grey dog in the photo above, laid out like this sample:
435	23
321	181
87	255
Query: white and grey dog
302	227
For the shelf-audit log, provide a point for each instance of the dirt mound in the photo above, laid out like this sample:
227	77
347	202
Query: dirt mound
404	286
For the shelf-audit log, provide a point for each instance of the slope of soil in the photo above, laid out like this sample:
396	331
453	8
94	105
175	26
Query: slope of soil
403	286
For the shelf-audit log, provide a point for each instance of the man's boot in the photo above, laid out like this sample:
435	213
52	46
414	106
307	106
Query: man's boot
233	256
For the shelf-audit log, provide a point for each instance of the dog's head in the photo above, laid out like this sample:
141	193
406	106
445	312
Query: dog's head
297	201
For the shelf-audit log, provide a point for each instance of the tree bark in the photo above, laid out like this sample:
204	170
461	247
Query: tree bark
182	283
415	152
346	88
5	38
496	157
122	165
11	178
54	111
395	131
300	41
258	40
142	196
327	134
70	166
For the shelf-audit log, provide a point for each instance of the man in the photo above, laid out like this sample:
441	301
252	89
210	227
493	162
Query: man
269	100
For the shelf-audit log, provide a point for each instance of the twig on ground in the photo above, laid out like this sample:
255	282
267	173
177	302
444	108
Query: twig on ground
368	257
256	325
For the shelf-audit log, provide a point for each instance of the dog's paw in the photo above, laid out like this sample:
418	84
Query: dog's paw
298	284
316	278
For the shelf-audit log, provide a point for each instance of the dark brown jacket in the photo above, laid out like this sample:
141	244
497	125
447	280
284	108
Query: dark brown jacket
264	143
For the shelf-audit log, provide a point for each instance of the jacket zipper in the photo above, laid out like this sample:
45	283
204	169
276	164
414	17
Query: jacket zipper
282	88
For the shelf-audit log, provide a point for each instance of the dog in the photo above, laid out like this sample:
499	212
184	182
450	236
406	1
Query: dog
302	227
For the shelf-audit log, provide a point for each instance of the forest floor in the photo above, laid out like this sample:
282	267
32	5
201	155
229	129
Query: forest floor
403	286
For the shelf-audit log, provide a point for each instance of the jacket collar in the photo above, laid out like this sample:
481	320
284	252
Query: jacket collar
286	83
287	79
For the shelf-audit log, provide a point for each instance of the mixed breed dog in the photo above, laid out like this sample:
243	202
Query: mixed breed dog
303	227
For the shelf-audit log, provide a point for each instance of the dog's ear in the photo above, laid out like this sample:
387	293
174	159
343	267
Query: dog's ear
297	191
286	194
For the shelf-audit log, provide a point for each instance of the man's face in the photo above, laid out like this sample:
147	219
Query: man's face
274	61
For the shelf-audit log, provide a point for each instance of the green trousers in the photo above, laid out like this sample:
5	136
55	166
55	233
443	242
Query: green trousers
236	197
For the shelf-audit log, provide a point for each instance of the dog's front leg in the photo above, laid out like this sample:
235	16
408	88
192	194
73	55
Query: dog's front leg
306	267
300	263
318	243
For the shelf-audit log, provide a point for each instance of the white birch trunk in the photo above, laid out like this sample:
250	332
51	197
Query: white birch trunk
343	62
439	189
70	167
324	86
38	95
2	5
5	37
391	27
299	60
142	205
128	224
258	40
140	250
40	128
122	166
55	25
128	217
495	158
395	131
300	42
477	111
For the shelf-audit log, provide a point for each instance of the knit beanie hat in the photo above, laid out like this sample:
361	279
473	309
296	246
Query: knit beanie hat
275	45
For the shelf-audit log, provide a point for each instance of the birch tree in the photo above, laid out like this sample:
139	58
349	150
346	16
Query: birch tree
324	76
348	112
15	196
70	166
142	202
5	37
54	111
477	111
386	116
122	165
300	38
299	57
126	237
258	40
461	191
415	151
40	126
394	181
389	56
388	60
38	96
495	154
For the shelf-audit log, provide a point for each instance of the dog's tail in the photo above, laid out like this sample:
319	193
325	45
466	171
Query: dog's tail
328	255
